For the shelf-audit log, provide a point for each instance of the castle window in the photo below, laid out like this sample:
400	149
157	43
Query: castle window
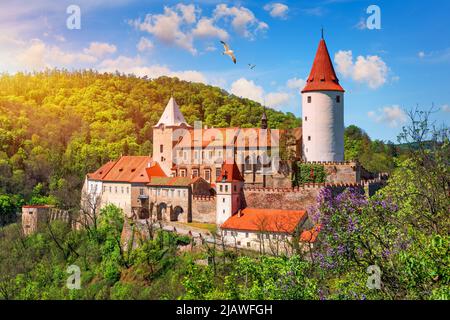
309	138
306	118
122	190
161	148
338	99
223	200
141	191
248	244
225	233
309	99
110	189
194	173
116	189
207	175
179	193
226	188
235	188
128	189
218	172
246	234
258	164
183	172
247	166
162	159
221	188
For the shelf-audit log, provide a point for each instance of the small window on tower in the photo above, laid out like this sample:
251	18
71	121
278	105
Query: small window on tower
161	148
309	138
338	99
309	99
306	118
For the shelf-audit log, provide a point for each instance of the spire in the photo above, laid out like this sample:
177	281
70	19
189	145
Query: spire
172	115
322	76
264	119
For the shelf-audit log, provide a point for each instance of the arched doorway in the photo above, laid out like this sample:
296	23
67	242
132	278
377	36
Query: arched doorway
176	213
144	213
161	211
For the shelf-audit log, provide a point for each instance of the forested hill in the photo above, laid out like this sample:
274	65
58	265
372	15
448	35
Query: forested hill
57	125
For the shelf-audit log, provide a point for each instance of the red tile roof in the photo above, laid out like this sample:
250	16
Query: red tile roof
133	169
310	235
155	171
230	172
322	76
172	181
102	171
271	220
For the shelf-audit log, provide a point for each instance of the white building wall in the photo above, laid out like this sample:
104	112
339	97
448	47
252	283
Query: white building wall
323	126
270	243
118	194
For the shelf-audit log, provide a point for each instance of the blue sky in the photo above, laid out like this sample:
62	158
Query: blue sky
406	63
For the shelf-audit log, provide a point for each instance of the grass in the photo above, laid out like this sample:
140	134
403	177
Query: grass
205	226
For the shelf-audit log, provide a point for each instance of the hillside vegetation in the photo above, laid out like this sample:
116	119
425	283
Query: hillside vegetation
56	126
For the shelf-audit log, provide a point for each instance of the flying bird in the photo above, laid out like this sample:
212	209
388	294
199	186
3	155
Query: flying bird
251	66
228	51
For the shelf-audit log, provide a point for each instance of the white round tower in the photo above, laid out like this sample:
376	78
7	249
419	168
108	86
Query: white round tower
323	111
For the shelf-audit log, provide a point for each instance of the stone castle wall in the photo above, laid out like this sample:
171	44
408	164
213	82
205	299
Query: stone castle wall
34	218
204	209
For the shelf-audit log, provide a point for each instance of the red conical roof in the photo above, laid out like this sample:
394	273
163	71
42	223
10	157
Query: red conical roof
322	76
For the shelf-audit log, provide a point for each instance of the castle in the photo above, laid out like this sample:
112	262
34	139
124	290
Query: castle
235	177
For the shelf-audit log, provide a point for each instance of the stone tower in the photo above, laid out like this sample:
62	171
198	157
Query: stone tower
229	192
170	127
323	111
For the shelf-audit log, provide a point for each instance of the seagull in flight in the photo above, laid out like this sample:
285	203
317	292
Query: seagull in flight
228	51
251	66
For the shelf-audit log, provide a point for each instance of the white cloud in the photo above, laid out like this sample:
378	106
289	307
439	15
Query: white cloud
371	70
100	49
362	24
144	44
277	99
188	12
277	10
36	55
243	20
248	89
393	116
138	67
166	27
445	108
421	54
206	29
295	83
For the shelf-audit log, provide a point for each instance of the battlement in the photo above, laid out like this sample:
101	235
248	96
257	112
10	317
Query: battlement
314	186
333	163
203	198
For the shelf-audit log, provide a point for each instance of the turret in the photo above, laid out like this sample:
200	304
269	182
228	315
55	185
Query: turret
323	111
167	131
229	192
